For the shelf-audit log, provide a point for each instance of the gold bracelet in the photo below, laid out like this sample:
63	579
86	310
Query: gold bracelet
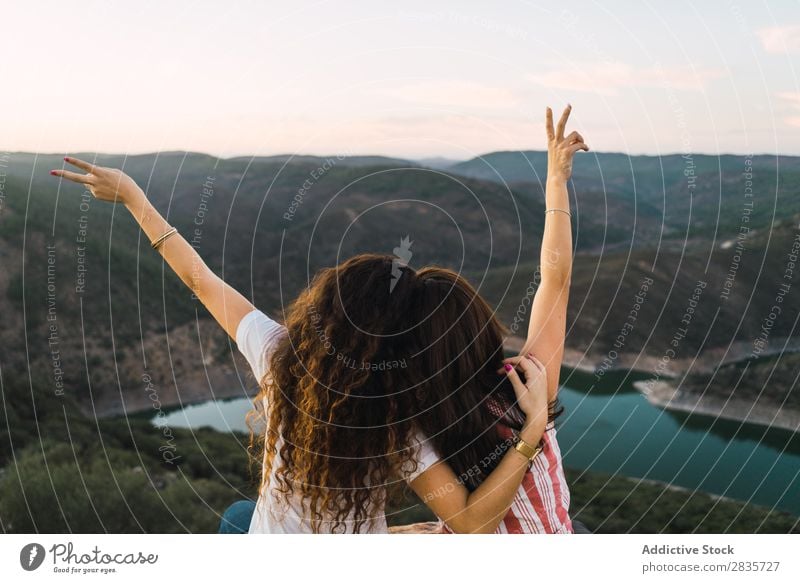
527	449
566	212
160	241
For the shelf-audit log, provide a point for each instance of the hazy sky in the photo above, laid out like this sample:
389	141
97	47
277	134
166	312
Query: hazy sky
407	79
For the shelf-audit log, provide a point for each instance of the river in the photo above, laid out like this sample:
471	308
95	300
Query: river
611	427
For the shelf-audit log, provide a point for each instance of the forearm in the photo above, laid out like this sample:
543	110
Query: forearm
556	250
226	305
482	510
487	505
182	258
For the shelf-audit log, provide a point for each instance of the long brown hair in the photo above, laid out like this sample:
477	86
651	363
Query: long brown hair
466	408
339	418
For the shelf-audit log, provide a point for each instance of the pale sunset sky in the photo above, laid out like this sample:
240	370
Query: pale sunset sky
408	79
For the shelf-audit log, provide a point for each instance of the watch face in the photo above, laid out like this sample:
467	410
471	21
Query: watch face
526	450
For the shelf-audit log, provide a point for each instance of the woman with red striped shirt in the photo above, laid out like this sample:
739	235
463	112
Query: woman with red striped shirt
470	414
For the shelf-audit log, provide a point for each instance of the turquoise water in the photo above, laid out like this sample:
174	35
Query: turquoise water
610	427
222	415
618	431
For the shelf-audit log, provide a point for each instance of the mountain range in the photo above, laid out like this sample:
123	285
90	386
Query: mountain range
681	263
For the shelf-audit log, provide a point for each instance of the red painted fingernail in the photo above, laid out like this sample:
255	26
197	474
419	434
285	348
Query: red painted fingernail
53	173
508	367
66	158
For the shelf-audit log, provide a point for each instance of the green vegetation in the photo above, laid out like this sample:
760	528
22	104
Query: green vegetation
615	504
64	472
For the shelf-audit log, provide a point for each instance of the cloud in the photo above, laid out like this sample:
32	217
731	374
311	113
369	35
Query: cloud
780	39
456	94
791	97
793	100
608	78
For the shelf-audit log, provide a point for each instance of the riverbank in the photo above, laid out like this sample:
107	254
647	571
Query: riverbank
705	363
195	363
213	383
666	395
591	362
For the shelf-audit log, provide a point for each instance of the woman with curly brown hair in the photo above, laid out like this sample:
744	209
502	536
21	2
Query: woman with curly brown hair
347	406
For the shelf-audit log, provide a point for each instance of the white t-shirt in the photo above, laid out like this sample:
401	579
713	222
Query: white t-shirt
256	337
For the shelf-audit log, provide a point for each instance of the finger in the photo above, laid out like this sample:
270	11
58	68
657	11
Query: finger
519	360
524	363
515	360
539	364
519	387
549	125
512	360
528	367
562	123
578	146
82	164
72	176
574	137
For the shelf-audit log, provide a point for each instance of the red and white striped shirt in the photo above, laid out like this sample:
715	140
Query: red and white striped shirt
541	505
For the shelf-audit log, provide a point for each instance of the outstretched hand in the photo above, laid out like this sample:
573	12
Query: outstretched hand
560	148
109	184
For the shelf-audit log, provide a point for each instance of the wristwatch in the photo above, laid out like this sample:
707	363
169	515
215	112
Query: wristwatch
528	450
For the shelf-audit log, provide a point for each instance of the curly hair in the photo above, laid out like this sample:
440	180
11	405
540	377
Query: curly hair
338	428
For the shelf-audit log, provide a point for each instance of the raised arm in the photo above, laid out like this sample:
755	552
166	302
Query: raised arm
548	321
482	510
225	304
